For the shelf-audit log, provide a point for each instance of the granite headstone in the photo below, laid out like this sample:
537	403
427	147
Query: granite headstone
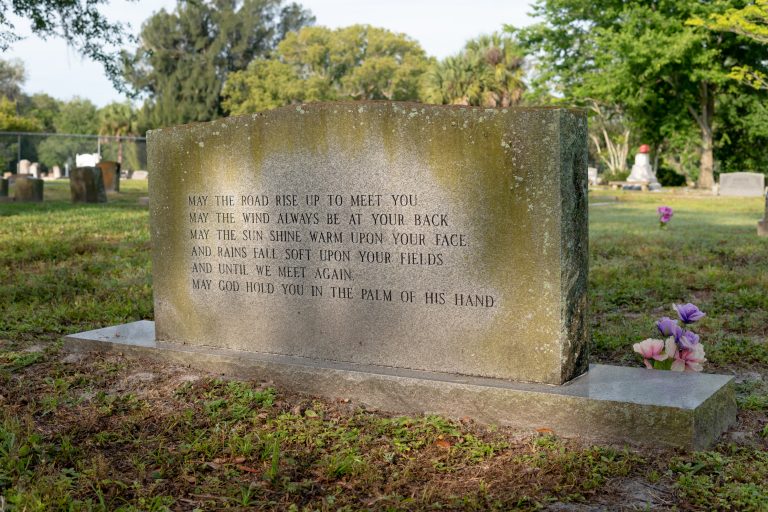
86	185
23	167
414	258
748	184
338	229
110	173
28	189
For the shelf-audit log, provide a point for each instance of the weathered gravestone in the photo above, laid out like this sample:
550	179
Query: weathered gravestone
762	225
35	170
742	184
23	166
3	187
139	175
415	258
86	185
110	172
27	189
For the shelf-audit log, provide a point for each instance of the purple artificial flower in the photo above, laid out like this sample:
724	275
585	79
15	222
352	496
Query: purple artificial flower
669	327
688	340
665	211
689	313
665	218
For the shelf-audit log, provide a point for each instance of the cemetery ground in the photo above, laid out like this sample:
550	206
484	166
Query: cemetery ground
101	432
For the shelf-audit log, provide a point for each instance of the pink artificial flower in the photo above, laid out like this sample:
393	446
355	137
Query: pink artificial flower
689	360
665	214
655	349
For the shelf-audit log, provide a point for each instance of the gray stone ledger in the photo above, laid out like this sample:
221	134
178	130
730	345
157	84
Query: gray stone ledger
607	404
87	186
27	189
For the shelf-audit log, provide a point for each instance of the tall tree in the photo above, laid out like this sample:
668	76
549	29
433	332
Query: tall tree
12	76
77	116
488	72
116	120
79	22
185	56
359	62
643	57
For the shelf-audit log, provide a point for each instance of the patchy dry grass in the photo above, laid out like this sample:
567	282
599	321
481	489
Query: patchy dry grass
106	433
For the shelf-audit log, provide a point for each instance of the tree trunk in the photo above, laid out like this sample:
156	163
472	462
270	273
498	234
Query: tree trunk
707	165
704	120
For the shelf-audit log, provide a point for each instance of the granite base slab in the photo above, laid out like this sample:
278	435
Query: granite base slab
609	403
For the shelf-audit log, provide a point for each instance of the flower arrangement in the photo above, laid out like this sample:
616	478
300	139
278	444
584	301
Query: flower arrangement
681	350
665	215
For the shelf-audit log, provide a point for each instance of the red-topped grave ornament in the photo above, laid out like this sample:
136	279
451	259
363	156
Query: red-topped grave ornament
645	148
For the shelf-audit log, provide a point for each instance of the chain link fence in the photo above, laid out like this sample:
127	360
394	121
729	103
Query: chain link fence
60	149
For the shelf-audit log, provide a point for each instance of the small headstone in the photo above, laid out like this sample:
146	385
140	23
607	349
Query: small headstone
139	175
3	187
87	159
7	175
642	170
87	186
110	173
34	170
762	225
28	189
56	170
143	201
747	184
24	166
592	176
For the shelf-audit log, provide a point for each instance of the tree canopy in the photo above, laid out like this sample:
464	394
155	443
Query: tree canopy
79	22
644	57
359	62
750	21
488	72
185	56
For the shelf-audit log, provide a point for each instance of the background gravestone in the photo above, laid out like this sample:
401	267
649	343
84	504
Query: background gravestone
24	166
110	173
3	187
762	225
87	186
751	184
28	189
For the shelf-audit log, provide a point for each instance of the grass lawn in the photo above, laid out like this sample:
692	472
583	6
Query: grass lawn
107	433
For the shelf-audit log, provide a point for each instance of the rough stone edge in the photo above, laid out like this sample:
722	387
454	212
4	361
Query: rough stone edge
574	243
714	416
527	409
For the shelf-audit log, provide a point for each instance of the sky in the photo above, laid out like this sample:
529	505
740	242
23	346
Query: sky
441	26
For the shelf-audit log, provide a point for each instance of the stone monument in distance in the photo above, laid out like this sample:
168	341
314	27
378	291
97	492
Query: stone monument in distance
745	184
642	172
414	258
